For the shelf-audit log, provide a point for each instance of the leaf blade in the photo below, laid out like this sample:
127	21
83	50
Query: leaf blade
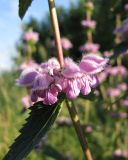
23	7
39	122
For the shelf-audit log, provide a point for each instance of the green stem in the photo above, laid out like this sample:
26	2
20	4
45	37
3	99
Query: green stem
55	24
29	53
79	131
72	110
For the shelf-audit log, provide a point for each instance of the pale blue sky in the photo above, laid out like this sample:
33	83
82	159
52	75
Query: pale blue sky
10	25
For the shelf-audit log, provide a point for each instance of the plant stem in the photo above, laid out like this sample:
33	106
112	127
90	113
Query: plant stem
79	131
72	109
29	53
53	13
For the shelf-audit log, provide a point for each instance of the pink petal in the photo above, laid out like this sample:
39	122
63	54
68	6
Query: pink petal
95	58
90	67
34	96
72	90
50	97
86	88
71	69
27	77
26	101
42	81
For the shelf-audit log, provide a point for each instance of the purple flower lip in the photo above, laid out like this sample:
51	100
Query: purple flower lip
27	77
92	64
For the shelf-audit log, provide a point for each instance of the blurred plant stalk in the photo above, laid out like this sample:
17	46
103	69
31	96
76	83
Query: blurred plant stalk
79	130
72	110
29	53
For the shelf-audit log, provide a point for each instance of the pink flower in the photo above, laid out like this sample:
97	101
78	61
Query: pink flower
123	30
90	47
118	153
75	80
92	64
108	54
26	102
121	153
113	92
122	70
123	86
66	43
117	70
102	76
51	65
89	24
88	129
124	103
126	7
41	82
31	36
27	77
47	81
30	64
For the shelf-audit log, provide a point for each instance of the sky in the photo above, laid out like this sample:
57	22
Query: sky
10	25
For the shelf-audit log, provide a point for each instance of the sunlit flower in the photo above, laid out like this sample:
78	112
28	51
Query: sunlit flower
65	42
89	24
90	47
47	81
26	65
113	92
31	36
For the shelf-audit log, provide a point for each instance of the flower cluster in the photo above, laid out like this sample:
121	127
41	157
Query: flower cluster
123	30
90	47
65	42
88	24
29	64
48	80
31	36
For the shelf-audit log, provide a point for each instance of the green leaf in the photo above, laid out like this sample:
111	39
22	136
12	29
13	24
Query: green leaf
23	7
40	120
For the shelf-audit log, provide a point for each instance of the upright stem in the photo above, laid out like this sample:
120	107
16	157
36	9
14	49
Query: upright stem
79	131
72	110
53	13
29	55
89	32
